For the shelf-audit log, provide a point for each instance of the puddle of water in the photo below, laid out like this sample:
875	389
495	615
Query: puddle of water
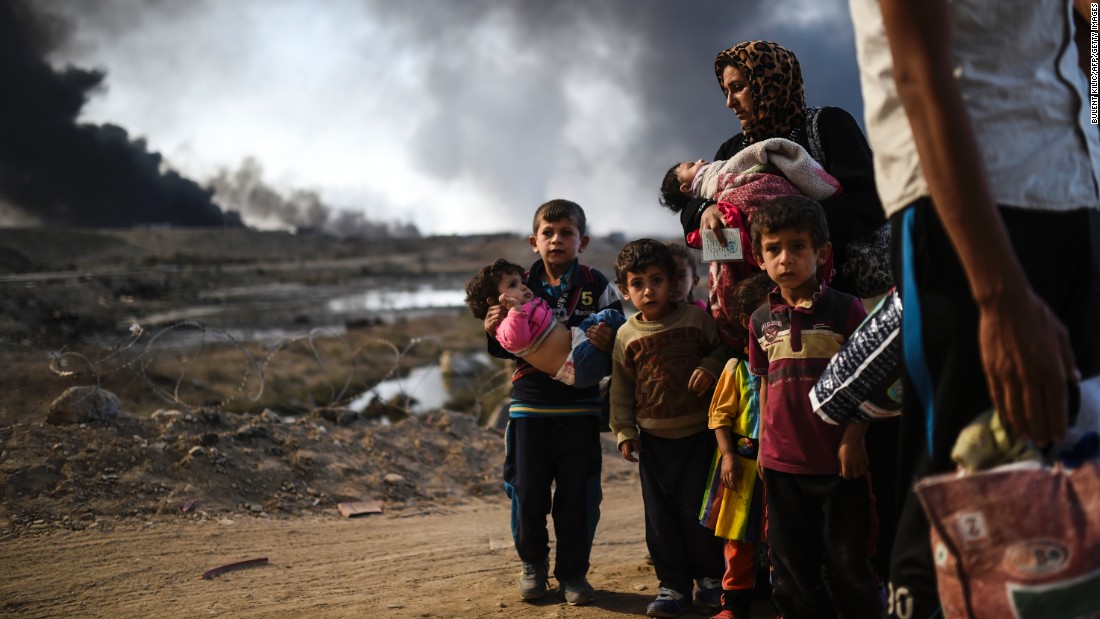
278	310
428	385
424	384
421	297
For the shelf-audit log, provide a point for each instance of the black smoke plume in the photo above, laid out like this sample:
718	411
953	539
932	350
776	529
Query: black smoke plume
62	172
246	192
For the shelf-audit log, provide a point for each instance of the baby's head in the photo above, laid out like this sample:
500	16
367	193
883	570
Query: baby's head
676	186
686	277
501	277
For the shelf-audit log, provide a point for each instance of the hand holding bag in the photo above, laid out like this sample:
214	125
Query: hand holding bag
1019	540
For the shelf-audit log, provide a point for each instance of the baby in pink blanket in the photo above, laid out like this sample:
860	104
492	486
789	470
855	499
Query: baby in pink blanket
530	331
756	175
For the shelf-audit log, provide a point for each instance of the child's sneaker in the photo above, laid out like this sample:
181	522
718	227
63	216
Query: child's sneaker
669	603
532	582
708	595
578	592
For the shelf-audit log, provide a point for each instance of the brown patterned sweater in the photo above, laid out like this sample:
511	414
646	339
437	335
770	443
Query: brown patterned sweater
651	364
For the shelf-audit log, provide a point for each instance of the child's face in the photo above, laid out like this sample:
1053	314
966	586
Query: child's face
649	291
791	260
512	285
685	280
558	242
685	173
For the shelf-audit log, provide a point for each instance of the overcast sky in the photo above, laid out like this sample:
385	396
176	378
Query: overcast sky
455	115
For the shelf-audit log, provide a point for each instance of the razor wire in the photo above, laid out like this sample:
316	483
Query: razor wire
139	356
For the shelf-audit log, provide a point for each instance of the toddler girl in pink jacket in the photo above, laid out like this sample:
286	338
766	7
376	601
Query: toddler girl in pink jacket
530	330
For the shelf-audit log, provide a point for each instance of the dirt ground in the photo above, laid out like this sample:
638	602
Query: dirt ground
442	561
121	518
93	521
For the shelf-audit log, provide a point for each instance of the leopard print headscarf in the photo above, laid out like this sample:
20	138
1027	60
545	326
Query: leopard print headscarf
775	80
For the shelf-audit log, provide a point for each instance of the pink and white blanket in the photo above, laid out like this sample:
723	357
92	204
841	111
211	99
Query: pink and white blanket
757	174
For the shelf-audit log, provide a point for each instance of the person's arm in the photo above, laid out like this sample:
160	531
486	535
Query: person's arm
1025	349
691	217
763	404
852	454
701	212
730	470
492	321
1082	28
725	406
622	404
601	335
1082	8
514	332
710	367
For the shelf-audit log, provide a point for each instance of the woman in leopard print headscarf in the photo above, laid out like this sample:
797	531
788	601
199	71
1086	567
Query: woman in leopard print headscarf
775	81
762	83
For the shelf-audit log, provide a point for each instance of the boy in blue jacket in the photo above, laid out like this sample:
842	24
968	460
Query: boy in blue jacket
553	436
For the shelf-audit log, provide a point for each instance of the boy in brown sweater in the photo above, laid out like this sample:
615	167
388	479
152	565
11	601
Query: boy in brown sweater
664	366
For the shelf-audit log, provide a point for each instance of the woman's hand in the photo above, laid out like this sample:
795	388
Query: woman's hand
712	220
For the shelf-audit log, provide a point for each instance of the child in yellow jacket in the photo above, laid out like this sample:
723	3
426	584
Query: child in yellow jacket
733	503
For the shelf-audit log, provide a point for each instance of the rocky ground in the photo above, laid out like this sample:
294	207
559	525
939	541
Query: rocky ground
207	465
115	507
224	427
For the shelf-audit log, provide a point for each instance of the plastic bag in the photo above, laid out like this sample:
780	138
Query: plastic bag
862	382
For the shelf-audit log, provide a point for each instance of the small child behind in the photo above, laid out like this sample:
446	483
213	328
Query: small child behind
687	276
733	504
817	492
664	364
529	329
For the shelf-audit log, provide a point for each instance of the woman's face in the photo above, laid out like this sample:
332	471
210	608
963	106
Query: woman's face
738	95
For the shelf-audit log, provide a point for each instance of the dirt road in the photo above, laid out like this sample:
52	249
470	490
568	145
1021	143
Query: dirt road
450	562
